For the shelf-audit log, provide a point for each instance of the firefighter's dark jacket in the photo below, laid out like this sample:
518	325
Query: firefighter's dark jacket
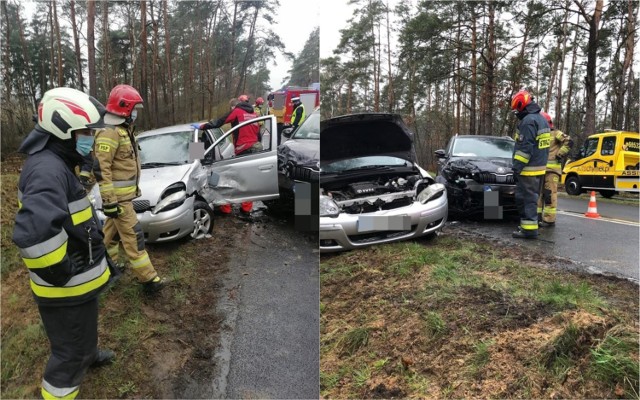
56	229
532	144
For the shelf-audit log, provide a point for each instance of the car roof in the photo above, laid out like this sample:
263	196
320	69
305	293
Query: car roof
614	133
483	137
167	129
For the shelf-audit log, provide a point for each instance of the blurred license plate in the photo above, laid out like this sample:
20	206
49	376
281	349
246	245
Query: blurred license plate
368	223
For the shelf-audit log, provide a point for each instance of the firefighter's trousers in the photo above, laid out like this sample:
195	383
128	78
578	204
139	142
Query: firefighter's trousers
73	335
527	189
127	230
548	200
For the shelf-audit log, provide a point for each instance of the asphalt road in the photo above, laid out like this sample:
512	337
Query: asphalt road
270	340
607	245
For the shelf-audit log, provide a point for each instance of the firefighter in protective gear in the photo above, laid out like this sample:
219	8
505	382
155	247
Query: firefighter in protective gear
246	140
59	237
117	171
529	161
548	201
257	107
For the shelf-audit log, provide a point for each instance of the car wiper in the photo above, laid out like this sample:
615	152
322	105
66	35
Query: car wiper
160	164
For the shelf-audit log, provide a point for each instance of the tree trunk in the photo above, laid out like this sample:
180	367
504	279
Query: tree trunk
91	47
590	79
8	78
154	66
51	47
242	75
143	59
167	50
558	116
572	71
59	43
628	57
390	94
76	43
229	81
489	87
106	56
474	75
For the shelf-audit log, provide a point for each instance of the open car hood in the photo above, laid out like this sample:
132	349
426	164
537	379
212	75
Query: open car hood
362	135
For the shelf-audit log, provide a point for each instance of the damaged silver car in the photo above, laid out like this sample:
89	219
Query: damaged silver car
371	189
187	171
477	172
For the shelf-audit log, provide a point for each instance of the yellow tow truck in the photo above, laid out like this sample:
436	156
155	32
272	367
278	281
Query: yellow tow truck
608	162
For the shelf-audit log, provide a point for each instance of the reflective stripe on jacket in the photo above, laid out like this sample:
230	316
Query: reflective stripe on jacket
560	147
298	115
532	144
117	165
58	233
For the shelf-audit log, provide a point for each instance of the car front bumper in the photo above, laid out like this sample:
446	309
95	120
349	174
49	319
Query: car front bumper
166	225
341	233
471	198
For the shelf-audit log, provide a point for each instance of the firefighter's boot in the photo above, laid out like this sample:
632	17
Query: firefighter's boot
154	285
104	357
522	234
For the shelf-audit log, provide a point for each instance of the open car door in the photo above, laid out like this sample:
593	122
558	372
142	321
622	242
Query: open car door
246	177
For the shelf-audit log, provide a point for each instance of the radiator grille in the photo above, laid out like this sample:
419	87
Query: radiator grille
141	205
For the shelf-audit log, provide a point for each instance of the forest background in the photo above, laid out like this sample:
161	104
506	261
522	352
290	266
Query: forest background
186	58
452	66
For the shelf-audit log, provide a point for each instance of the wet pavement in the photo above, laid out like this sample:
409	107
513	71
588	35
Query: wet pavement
270	301
606	245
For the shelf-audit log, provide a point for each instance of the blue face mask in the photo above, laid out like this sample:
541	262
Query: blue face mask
134	115
84	144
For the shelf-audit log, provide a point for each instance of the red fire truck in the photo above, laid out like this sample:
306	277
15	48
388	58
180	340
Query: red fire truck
280	105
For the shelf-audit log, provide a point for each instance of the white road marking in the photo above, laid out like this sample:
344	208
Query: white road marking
605	219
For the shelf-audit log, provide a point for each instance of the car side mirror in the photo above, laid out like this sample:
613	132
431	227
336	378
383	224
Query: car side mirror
440	153
287	132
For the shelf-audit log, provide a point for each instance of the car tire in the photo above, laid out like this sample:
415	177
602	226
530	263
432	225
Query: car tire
607	194
202	220
572	186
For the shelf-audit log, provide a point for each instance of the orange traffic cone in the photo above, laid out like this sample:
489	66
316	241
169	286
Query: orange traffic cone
592	211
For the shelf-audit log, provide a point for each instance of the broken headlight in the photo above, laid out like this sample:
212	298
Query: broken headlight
431	192
173	197
328	207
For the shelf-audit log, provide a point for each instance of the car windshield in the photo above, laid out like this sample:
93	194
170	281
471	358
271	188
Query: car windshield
310	128
165	149
362	163
492	147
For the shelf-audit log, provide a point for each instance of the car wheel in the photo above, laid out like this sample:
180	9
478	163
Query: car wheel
202	220
572	186
607	194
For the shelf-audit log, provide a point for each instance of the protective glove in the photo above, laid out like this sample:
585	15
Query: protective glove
196	126
112	210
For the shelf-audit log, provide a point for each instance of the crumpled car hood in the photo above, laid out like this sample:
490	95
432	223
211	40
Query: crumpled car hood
362	135
304	152
498	165
153	181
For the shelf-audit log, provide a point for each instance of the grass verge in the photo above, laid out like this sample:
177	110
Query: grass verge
453	318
